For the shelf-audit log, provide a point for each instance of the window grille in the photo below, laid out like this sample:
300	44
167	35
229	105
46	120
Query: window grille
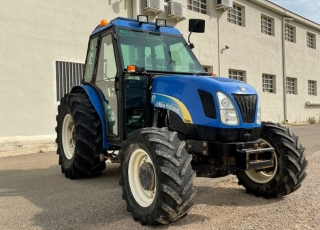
266	25
268	83
237	75
312	88
68	74
289	33
198	6
291	85
235	15
310	41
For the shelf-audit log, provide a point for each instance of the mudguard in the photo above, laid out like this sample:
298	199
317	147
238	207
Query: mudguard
96	102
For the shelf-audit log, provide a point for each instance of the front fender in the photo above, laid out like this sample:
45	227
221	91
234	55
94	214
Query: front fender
96	102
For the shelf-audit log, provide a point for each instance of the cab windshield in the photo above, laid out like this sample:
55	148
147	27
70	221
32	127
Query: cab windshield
157	52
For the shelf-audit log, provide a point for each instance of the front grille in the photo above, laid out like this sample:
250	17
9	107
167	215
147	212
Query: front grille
247	105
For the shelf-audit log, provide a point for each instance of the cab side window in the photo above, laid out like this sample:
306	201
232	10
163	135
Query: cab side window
91	55
107	68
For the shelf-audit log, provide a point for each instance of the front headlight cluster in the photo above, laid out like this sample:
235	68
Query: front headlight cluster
259	113
228	113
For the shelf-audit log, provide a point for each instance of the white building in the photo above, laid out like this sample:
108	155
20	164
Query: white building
269	46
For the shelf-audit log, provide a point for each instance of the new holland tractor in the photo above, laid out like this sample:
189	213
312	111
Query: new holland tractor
146	102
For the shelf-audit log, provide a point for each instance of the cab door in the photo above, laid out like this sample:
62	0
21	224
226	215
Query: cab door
106	81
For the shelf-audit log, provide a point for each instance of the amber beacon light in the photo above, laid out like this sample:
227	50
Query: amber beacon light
103	22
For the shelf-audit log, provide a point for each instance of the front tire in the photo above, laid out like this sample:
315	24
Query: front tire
290	164
156	176
79	137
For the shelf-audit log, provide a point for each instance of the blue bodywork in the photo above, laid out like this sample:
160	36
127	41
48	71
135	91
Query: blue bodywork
174	91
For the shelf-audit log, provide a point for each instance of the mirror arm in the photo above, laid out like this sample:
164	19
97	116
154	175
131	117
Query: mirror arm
190	44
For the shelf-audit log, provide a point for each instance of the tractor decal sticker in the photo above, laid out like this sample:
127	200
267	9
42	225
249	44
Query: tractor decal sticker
173	104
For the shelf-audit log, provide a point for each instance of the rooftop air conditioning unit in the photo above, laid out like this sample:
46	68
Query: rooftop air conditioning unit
176	10
224	4
155	6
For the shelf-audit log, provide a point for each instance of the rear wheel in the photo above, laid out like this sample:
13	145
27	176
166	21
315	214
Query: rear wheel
290	164
79	137
156	176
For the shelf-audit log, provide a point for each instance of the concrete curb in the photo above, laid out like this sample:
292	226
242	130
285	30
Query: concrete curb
295	124
20	145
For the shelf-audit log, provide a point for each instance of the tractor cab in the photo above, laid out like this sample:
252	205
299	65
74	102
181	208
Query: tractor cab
123	58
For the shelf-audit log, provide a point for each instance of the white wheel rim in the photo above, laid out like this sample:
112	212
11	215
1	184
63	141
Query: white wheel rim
68	139
143	197
263	177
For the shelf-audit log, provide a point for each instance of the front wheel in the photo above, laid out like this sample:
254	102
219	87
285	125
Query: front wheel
156	176
289	168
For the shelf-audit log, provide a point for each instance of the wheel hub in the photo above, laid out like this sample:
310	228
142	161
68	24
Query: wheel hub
146	176
142	178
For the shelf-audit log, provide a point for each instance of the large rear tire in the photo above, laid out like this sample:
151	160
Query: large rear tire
290	164
156	176
79	137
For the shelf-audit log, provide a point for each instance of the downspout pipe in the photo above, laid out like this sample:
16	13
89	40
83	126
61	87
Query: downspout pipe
284	19
136	7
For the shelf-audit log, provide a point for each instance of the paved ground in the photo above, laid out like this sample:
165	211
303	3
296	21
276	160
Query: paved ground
35	195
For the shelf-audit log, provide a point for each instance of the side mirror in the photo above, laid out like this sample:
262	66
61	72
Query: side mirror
196	25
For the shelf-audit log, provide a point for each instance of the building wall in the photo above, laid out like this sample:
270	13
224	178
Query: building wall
36	33
302	63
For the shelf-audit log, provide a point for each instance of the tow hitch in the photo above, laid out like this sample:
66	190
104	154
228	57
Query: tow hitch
255	158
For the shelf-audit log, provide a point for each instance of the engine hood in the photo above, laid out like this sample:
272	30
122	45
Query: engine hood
179	93
206	83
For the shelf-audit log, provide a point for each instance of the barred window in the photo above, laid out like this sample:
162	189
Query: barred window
311	41
235	15
68	74
266	25
237	75
289	33
268	84
312	88
198	6
291	85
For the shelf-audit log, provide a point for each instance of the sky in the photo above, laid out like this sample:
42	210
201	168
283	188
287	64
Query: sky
309	9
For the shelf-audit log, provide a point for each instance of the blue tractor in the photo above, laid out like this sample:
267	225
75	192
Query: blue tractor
147	103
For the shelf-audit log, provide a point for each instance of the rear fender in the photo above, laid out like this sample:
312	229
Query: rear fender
96	102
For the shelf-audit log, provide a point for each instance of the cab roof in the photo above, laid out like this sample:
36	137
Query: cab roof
131	23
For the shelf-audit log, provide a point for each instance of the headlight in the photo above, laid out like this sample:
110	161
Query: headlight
259	113
228	113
